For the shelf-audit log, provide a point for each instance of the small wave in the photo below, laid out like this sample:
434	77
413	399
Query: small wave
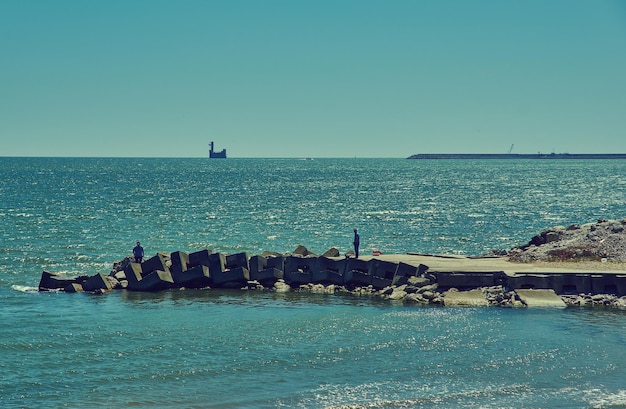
25	288
600	399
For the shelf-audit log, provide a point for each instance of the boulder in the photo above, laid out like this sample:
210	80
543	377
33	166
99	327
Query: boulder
302	251
332	252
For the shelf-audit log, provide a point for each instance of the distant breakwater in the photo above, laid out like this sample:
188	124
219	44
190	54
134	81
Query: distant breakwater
518	156
329	273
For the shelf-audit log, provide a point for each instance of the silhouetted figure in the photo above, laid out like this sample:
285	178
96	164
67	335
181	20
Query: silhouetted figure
138	253
355	242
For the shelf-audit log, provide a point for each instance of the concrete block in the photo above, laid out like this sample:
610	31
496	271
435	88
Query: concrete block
297	277
268	276
98	281
299	270
237	260
277	262
195	277
52	281
257	263
468	279
266	270
382	273
571	283
608	284
217	263
404	271
132	271
472	298
233	278
528	281
540	298
357	272
155	281
199	258
383	269
157	262
379	283
180	262
73	288
330	271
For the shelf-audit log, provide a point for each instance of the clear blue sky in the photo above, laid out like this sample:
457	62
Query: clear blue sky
338	78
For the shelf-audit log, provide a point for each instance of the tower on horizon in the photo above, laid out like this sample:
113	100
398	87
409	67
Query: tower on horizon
215	155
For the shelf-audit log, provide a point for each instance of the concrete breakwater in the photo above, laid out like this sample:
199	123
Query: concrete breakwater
445	280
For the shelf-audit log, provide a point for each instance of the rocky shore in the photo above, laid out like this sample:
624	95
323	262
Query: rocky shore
604	240
494	281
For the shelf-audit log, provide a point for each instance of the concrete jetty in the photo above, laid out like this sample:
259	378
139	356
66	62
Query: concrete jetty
417	278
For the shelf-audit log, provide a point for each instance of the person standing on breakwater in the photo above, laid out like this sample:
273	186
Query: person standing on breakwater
138	253
356	242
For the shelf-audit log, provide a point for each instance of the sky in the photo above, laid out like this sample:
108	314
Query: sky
295	78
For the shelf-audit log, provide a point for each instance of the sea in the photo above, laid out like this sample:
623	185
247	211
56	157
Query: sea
261	349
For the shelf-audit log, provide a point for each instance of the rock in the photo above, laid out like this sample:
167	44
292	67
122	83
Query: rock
552	236
431	287
415	298
281	287
332	252
302	251
604	239
397	295
429	295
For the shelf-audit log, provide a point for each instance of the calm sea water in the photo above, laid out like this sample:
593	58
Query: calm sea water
219	349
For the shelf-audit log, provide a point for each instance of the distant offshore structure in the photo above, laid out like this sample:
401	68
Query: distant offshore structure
216	155
518	156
